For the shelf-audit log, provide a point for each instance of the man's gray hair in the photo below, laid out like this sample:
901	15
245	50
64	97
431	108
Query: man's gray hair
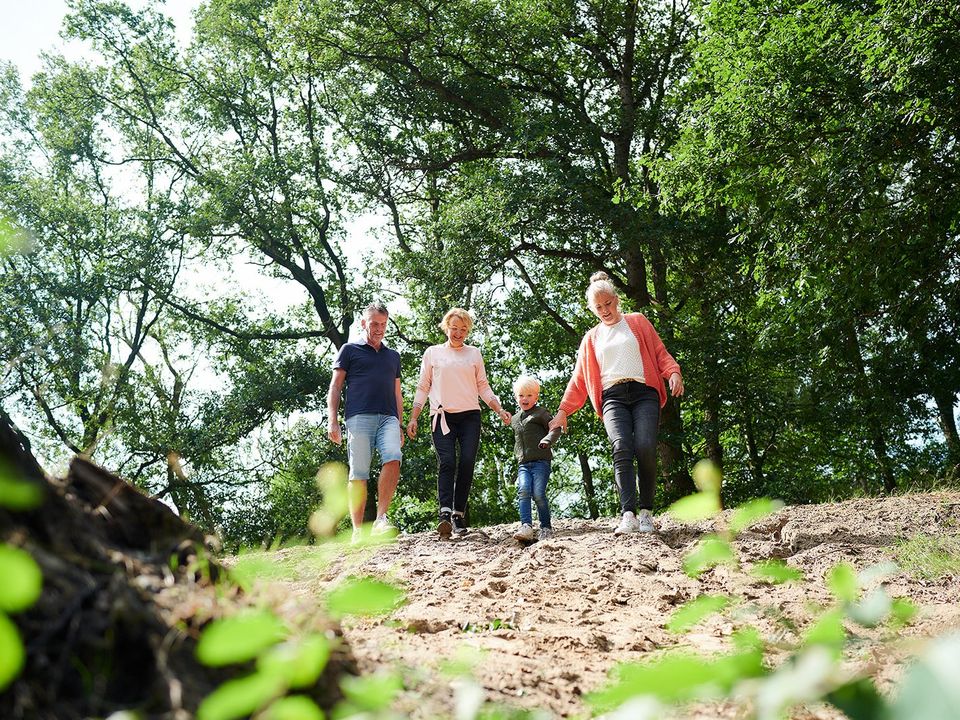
376	307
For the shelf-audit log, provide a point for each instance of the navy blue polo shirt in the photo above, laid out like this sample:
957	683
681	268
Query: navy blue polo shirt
371	383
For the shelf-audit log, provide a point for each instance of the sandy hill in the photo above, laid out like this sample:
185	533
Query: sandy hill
551	620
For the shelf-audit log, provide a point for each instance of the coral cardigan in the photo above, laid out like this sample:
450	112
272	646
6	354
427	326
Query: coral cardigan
585	381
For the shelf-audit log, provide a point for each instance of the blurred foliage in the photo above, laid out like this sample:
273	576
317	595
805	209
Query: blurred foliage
21	579
288	661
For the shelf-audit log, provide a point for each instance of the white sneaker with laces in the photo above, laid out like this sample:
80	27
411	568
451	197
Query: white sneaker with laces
383	526
525	533
357	536
628	524
645	522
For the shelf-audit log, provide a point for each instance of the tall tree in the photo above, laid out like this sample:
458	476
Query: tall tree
80	278
821	129
244	128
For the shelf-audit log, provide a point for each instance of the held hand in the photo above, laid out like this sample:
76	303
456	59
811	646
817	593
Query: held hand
412	428
676	385
559	421
334	434
544	444
505	416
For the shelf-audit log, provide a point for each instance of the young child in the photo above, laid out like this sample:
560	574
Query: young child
532	443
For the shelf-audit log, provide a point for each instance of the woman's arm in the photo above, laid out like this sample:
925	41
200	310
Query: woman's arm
666	365
576	393
423	390
486	392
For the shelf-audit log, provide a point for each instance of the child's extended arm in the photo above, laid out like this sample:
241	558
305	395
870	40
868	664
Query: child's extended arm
551	437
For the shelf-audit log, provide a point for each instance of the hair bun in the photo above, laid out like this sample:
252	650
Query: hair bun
599	276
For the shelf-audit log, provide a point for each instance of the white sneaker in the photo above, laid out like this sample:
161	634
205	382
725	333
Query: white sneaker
645	522
357	536
383	526
628	524
525	533
546	533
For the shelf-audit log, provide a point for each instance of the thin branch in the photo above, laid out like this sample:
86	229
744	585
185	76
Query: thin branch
540	299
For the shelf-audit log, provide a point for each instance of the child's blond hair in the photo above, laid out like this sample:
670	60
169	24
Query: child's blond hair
524	382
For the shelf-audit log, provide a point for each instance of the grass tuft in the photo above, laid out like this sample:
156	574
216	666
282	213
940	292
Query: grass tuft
929	557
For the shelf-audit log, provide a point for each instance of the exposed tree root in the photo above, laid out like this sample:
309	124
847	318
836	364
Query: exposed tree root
127	588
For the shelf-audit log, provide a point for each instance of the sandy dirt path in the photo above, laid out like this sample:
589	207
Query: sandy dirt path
545	624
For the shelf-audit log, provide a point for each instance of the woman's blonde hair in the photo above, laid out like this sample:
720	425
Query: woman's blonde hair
458	313
600	283
525	382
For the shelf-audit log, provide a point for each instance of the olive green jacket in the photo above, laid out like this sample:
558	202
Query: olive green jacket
529	428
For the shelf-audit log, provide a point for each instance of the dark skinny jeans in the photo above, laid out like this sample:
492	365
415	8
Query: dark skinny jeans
631	415
455	474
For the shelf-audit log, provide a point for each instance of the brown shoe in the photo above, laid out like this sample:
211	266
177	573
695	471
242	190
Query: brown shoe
445	527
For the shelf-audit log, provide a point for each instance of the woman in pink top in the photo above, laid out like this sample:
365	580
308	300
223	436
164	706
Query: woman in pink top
452	376
621	366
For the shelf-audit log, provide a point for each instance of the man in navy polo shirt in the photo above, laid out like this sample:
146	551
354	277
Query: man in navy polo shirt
373	414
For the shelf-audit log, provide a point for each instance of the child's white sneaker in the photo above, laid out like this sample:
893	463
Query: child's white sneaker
645	522
546	533
628	524
525	533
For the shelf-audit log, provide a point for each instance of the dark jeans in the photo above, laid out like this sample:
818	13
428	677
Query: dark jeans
631	414
455	474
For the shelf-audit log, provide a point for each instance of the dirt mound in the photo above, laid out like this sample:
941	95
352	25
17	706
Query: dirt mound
127	588
553	618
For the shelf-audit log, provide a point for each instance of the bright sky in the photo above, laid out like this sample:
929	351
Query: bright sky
30	28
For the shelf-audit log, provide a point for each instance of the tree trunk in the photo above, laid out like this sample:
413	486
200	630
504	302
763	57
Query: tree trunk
15	451
711	364
948	424
370	509
676	479
108	630
754	458
711	418
588	488
866	395
879	444
674	474
184	488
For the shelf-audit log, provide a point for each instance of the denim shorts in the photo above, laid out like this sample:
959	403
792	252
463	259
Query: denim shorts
366	432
